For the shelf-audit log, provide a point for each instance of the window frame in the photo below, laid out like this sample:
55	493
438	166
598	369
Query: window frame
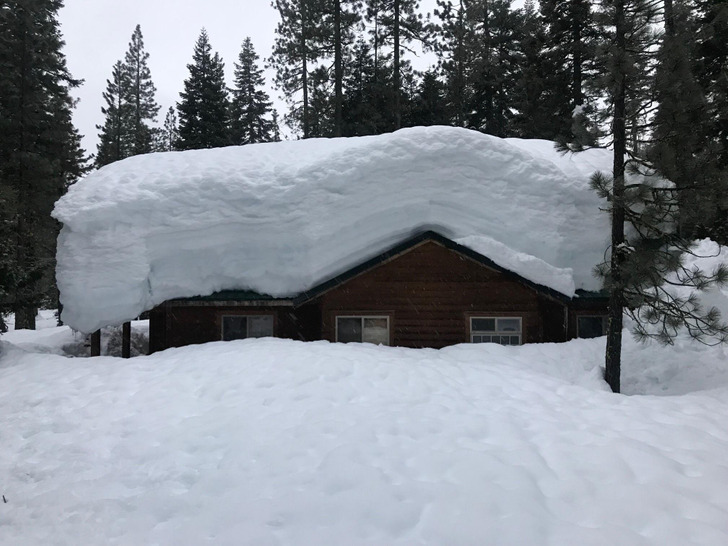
223	316
362	317
495	332
604	325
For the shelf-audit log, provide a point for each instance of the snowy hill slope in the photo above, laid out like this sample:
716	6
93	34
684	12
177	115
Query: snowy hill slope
279	218
275	442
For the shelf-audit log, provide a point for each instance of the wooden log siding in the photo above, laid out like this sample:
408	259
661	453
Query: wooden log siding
429	293
178	325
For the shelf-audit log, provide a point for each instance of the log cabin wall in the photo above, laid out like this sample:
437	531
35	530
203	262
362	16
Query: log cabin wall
176	324
429	293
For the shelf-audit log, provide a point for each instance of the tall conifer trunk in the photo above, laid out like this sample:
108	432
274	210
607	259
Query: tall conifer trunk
576	27
613	360
338	99
304	68
397	79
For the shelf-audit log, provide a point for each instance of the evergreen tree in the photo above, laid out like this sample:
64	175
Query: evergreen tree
169	135
276	137
494	70
337	31
368	94
39	151
534	117
296	52
429	105
250	107
114	142
396	22
645	261
710	67
570	61
130	107
681	149
203	106
453	47
140	95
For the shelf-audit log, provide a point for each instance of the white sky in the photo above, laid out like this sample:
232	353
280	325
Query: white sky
97	34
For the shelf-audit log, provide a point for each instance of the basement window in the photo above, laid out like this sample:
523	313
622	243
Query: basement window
502	330
245	326
363	329
588	326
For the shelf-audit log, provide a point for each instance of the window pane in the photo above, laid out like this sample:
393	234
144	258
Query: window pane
348	329
260	326
482	325
477	339
376	331
591	326
234	328
509	325
515	340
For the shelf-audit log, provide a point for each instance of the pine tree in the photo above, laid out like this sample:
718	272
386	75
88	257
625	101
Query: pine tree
114	138
169	135
130	107
368	95
397	23
454	51
203	106
570	49
710	67
429	106
250	108
276	137
296	53
646	261
494	69
140	95
321	104
39	151
534	117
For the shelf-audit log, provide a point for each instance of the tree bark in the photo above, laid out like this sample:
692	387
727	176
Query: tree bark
304	68
576	82
25	318
338	99
126	340
397	79
96	343
613	357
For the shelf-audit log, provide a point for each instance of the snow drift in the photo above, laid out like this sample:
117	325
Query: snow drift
280	218
279	443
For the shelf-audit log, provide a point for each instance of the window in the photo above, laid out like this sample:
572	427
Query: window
244	326
362	329
503	330
588	326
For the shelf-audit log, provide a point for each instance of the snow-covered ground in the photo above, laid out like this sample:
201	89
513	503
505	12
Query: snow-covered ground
276	442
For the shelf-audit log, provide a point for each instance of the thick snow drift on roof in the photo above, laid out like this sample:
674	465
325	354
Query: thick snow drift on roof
279	218
529	267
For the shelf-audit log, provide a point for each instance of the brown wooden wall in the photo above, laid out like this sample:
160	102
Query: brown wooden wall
429	293
176	325
592	308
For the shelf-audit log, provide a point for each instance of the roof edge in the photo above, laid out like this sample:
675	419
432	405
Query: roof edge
429	235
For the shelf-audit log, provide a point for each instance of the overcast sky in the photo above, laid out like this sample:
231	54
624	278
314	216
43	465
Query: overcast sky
97	34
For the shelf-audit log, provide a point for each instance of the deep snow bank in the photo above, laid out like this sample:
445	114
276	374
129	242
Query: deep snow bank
275	442
279	218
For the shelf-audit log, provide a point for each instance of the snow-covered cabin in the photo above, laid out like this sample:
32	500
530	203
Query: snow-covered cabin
425	237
